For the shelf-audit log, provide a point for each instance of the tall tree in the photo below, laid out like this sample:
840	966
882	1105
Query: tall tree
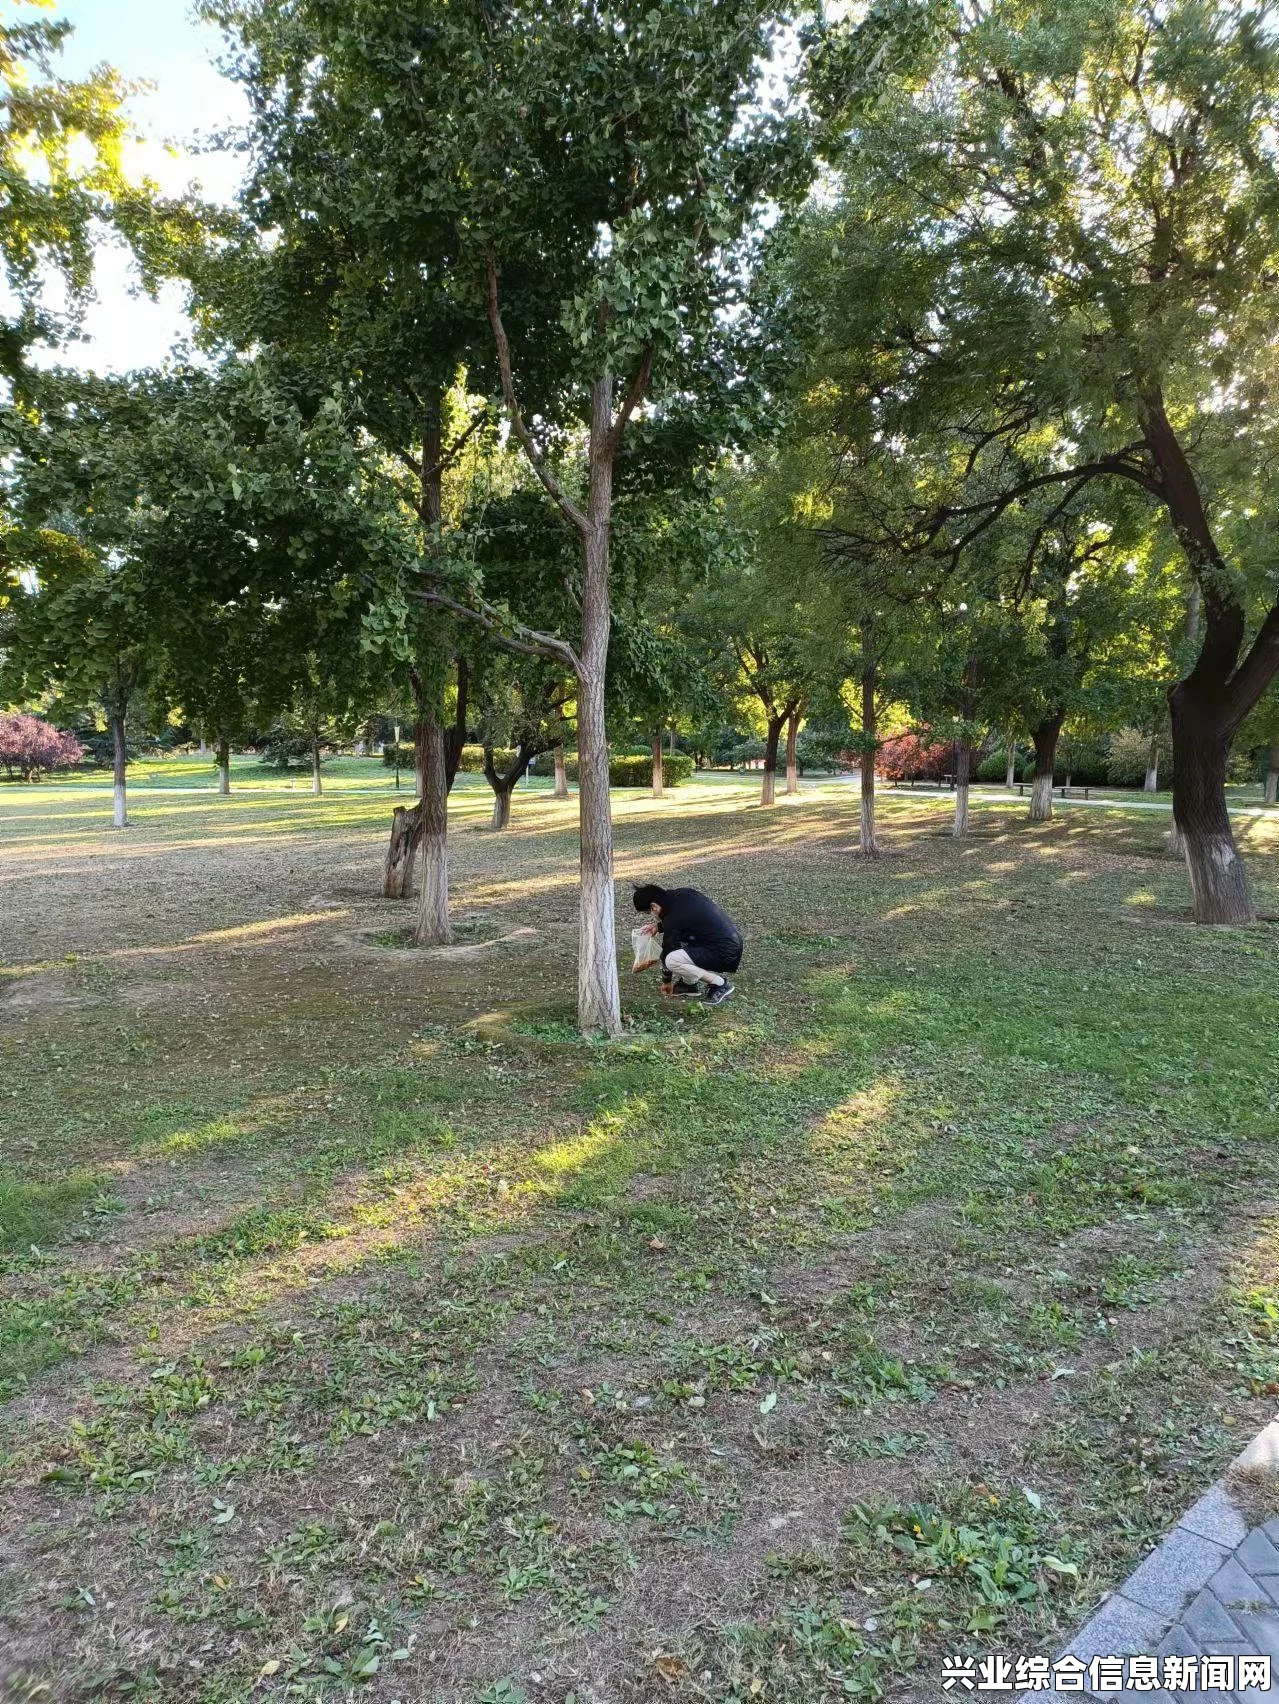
608	161
1090	198
79	622
60	163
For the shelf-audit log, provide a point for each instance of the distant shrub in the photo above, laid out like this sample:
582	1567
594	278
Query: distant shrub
1082	760
635	769
1128	753
471	761
821	750
29	746
625	768
740	751
995	766
281	751
408	757
915	757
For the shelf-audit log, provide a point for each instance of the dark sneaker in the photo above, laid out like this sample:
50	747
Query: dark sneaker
687	990
718	995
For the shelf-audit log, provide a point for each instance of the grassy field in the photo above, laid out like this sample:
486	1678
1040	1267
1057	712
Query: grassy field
366	1333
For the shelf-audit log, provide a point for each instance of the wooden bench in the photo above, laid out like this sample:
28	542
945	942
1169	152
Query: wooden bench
1063	792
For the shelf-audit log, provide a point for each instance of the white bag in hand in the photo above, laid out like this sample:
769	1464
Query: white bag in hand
647	942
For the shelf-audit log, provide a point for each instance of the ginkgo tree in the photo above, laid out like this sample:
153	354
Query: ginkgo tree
1063	223
598	168
61	142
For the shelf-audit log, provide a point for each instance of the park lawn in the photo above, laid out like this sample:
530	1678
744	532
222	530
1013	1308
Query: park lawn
366	1332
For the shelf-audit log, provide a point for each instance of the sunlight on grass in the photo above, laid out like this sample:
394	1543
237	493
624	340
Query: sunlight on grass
565	1159
272	926
346	1285
845	1126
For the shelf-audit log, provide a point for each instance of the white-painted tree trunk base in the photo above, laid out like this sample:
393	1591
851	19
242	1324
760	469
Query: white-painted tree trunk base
224	781
1218	880
119	807
599	1002
1041	799
868	844
960	826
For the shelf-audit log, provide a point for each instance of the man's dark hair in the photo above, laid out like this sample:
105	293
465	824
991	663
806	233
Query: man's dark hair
648	894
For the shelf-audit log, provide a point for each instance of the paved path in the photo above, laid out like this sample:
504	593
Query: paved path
1199	1617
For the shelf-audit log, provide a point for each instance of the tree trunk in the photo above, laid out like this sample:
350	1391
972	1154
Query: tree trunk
792	757
1194	613
406	825
1045	738
433	928
963	763
504	784
1272	775
455	738
120	764
1010	774
204	748
561	774
768	792
1212	700
599	1007
670	749
870	724
224	767
1151	783
316	784
659	777
1201	736
406	836
422	735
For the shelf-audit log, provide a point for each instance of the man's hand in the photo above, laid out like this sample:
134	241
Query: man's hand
668	988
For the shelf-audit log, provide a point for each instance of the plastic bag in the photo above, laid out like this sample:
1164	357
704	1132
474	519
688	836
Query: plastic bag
647	943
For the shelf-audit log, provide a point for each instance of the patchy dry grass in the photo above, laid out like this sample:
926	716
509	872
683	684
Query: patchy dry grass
364	1332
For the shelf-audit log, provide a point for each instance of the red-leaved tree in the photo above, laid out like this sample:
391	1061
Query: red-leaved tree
29	745
915	757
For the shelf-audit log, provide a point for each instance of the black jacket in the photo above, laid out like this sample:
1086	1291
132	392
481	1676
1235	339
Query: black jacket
707	934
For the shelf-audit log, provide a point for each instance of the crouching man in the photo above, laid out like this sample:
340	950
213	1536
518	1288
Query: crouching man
701	944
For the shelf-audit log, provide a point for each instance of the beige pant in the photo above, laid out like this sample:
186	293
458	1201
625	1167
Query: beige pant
678	963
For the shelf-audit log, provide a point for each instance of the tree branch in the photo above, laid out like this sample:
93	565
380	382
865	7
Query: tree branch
572	514
1258	668
631	401
449	457
514	635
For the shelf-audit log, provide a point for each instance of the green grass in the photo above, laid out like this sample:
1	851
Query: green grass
366	1331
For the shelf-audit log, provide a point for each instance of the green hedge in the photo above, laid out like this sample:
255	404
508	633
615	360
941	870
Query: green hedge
625	769
471	763
995	766
637	770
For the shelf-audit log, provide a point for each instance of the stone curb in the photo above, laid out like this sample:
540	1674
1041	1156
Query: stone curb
1210	1588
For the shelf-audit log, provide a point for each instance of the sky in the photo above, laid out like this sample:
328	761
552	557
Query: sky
155	42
